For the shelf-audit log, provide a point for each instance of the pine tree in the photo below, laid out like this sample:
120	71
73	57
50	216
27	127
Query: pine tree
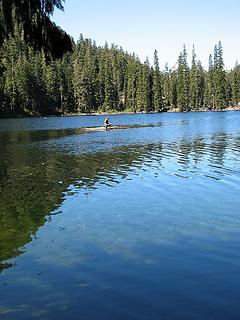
209	87
157	85
131	98
219	79
166	86
87	88
52	87
201	85
194	85
197	84
115	75
169	88
235	84
100	94
66	82
109	92
183	82
79	81
120	79
146	86
14	51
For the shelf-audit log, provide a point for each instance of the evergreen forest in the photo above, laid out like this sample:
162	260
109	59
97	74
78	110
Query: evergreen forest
44	72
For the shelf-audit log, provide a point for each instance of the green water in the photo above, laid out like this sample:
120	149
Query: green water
125	224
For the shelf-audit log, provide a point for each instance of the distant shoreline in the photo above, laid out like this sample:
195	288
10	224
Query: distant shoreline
175	110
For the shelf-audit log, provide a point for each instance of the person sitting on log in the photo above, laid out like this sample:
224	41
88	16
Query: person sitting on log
107	123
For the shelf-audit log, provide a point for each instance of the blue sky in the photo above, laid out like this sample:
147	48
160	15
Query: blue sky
141	26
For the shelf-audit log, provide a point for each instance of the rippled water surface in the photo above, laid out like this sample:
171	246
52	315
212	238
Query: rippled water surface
140	223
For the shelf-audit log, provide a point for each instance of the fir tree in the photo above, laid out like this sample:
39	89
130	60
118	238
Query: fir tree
183	82
197	84
109	92
235	84
131	86
194	84
209	88
219	79
146	87
157	85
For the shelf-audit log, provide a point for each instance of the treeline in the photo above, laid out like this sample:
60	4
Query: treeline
94	79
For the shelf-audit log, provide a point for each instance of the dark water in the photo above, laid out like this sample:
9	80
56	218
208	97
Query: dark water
138	224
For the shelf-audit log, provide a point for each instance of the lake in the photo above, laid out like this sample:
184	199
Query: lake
141	223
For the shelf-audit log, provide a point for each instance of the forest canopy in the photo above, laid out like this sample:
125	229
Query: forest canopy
42	71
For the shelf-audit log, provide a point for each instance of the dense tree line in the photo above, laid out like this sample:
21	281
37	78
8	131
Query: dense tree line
94	78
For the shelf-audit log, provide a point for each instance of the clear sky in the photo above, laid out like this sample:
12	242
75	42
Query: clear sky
141	26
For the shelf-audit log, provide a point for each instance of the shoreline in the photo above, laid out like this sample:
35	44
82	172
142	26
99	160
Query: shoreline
174	110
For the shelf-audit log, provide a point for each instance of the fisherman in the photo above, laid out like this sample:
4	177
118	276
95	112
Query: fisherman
107	123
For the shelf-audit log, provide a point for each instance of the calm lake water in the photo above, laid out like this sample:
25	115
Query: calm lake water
142	223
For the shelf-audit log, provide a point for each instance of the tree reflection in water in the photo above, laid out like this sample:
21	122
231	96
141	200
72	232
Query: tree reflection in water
34	180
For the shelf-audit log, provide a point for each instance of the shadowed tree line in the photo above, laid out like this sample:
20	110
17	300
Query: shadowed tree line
42	71
37	29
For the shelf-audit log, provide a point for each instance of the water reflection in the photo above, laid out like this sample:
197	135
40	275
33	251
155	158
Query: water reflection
130	222
34	180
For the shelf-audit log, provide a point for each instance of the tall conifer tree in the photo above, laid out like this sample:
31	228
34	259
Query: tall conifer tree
157	85
183	81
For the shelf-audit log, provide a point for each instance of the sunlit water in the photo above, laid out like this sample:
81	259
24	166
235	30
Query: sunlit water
138	224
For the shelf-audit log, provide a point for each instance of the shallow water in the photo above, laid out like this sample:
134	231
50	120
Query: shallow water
125	224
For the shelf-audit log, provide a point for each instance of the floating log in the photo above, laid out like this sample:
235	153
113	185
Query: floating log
114	127
104	128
